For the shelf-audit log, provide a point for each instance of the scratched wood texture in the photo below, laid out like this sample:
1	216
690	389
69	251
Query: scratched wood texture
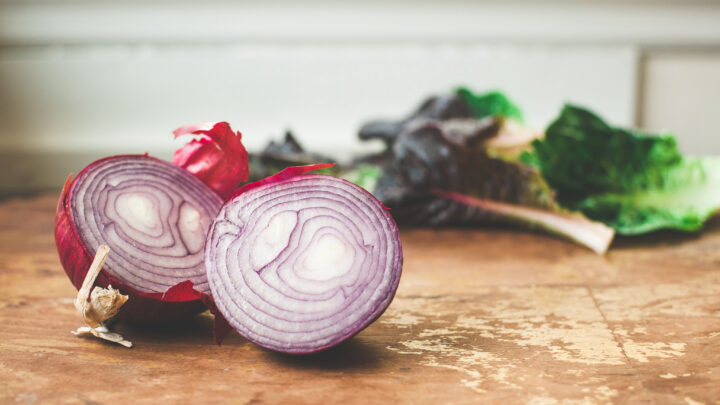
491	315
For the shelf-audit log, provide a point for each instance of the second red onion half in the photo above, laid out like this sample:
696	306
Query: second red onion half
299	263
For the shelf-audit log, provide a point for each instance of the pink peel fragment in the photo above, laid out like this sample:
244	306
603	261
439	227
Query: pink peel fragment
217	156
280	176
194	128
185	291
221	327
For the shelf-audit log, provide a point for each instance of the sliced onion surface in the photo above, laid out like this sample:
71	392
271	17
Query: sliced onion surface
153	215
301	264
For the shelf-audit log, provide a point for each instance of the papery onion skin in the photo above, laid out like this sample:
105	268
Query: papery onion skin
177	302
374	269
217	156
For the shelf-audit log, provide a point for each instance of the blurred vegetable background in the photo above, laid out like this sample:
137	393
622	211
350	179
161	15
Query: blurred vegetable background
84	79
466	159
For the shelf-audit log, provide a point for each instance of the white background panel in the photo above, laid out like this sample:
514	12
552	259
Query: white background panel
682	95
83	79
130	98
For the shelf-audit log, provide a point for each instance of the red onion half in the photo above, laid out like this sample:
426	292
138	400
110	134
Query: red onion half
154	216
298	264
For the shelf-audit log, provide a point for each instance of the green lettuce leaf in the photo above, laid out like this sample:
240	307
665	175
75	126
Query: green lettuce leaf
490	104
632	181
689	195
364	175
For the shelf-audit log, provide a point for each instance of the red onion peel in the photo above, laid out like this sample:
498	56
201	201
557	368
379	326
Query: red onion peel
280	176
217	156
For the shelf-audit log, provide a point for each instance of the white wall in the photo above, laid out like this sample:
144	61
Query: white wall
84	79
681	94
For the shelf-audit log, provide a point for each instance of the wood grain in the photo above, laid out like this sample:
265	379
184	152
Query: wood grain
489	315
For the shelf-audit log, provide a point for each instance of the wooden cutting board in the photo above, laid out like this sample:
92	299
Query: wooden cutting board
491	315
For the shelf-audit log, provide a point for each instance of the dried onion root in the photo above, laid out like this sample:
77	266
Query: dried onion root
104	303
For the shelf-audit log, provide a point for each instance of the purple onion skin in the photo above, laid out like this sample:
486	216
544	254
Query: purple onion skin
390	272
76	259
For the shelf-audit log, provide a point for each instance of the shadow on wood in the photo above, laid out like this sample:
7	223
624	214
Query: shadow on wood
351	355
196	330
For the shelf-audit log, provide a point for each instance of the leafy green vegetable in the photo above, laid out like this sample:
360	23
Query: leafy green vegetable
490	104
688	196
582	154
632	181
283	154
364	175
432	178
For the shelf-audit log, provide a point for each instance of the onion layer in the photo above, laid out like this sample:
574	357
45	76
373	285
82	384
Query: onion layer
154	216
298	264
